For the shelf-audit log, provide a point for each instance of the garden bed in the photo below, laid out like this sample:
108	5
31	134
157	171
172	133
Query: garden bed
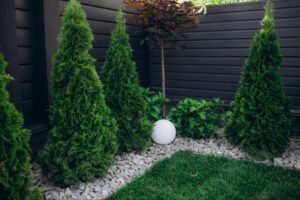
129	166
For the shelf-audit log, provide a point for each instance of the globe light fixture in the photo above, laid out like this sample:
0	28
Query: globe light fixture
164	132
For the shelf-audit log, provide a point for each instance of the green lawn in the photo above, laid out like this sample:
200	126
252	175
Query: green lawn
187	176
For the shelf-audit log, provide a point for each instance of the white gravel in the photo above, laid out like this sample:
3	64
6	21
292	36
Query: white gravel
126	167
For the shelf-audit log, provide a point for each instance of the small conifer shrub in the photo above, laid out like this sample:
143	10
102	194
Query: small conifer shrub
82	143
123	93
261	121
15	176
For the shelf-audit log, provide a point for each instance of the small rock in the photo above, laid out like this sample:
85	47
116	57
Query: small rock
68	191
97	188
105	193
81	186
278	161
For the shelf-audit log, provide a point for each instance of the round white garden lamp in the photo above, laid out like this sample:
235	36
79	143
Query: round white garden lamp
164	132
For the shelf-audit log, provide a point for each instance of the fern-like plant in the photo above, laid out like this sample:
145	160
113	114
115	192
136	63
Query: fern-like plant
155	104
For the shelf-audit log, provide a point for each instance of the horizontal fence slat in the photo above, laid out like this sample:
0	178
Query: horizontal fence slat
28	73
245	25
217	78
241	7
24	19
102	41
225	61
108	4
238	34
25	37
29	90
23	4
26	55
138	54
218	52
29	110
248	15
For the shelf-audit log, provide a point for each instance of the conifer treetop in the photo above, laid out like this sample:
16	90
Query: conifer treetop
120	19
268	20
268	11
75	29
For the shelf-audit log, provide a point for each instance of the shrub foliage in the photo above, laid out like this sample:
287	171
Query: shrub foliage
123	93
82	142
197	119
261	121
15	178
155	104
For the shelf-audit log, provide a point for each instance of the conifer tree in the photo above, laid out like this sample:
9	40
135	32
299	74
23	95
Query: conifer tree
82	142
261	121
15	177
123	93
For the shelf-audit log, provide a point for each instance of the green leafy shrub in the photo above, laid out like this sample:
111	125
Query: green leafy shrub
36	194
82	142
226	117
123	93
15	177
261	120
197	119
155	104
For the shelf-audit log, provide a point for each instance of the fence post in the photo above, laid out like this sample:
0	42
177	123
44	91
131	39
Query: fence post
51	25
9	47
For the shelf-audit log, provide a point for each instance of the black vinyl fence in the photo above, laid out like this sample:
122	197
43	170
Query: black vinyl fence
210	66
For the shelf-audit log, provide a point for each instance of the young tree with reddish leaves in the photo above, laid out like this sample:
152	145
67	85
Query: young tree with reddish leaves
164	21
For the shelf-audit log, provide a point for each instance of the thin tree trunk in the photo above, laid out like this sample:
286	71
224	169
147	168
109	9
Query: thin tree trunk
163	76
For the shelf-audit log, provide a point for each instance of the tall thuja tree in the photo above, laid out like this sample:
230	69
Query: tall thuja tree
261	121
82	142
123	93
164	21
15	177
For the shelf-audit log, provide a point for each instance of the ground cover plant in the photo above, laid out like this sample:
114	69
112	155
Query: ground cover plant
261	121
155	104
15	175
82	142
123	94
189	176
197	119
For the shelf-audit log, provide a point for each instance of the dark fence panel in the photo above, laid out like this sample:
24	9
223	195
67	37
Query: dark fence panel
30	66
27	60
211	64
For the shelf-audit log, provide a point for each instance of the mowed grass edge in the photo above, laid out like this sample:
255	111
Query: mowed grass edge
186	176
